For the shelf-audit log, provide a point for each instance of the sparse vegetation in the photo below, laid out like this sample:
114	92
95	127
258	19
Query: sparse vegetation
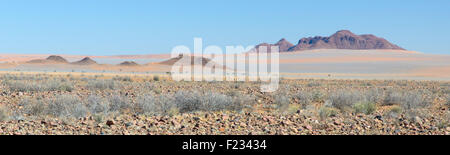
34	107
118	103
143	101
325	112
123	78
394	112
393	98
194	101
188	101
416	99
448	100
318	96
149	104
409	100
216	102
66	106
365	107
4	116
156	78
304	98
374	95
101	84
344	99
36	86
97	105
282	102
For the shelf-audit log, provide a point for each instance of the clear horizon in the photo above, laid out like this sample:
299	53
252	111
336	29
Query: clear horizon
148	27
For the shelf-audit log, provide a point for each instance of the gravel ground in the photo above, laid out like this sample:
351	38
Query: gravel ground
300	107
227	124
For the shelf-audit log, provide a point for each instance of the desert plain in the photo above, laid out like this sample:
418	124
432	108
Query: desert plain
323	91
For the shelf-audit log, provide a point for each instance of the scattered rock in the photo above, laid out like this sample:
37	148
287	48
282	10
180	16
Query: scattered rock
109	122
222	129
196	118
378	117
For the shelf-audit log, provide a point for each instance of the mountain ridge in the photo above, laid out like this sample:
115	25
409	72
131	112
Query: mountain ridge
343	39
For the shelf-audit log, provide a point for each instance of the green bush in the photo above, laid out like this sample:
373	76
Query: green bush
156	78
365	107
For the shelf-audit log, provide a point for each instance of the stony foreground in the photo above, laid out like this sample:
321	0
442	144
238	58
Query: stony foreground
226	124
100	105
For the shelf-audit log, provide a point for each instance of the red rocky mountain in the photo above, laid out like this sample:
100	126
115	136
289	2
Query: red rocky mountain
343	39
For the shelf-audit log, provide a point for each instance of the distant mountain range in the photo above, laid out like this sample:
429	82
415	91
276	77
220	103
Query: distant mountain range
51	59
128	63
343	39
55	59
86	61
185	60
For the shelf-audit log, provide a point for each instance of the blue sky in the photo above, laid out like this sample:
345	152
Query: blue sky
110	27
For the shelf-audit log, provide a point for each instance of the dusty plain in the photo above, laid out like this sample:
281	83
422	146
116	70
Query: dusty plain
321	92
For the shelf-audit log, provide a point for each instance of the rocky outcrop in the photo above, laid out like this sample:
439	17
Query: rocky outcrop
128	63
50	59
56	58
343	39
85	61
185	60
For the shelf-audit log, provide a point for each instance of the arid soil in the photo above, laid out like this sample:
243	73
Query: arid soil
147	104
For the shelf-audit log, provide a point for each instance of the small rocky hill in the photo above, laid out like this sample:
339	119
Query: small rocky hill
85	61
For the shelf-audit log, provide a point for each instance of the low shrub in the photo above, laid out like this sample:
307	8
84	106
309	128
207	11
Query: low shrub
97	105
188	101
282	102
409	100
118	103
101	84
34	107
325	112
66	106
149	104
156	78
393	98
304	98
416	99
318	96
4	115
394	112
448	100
373	95
344	99
365	107
122	78
37	86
